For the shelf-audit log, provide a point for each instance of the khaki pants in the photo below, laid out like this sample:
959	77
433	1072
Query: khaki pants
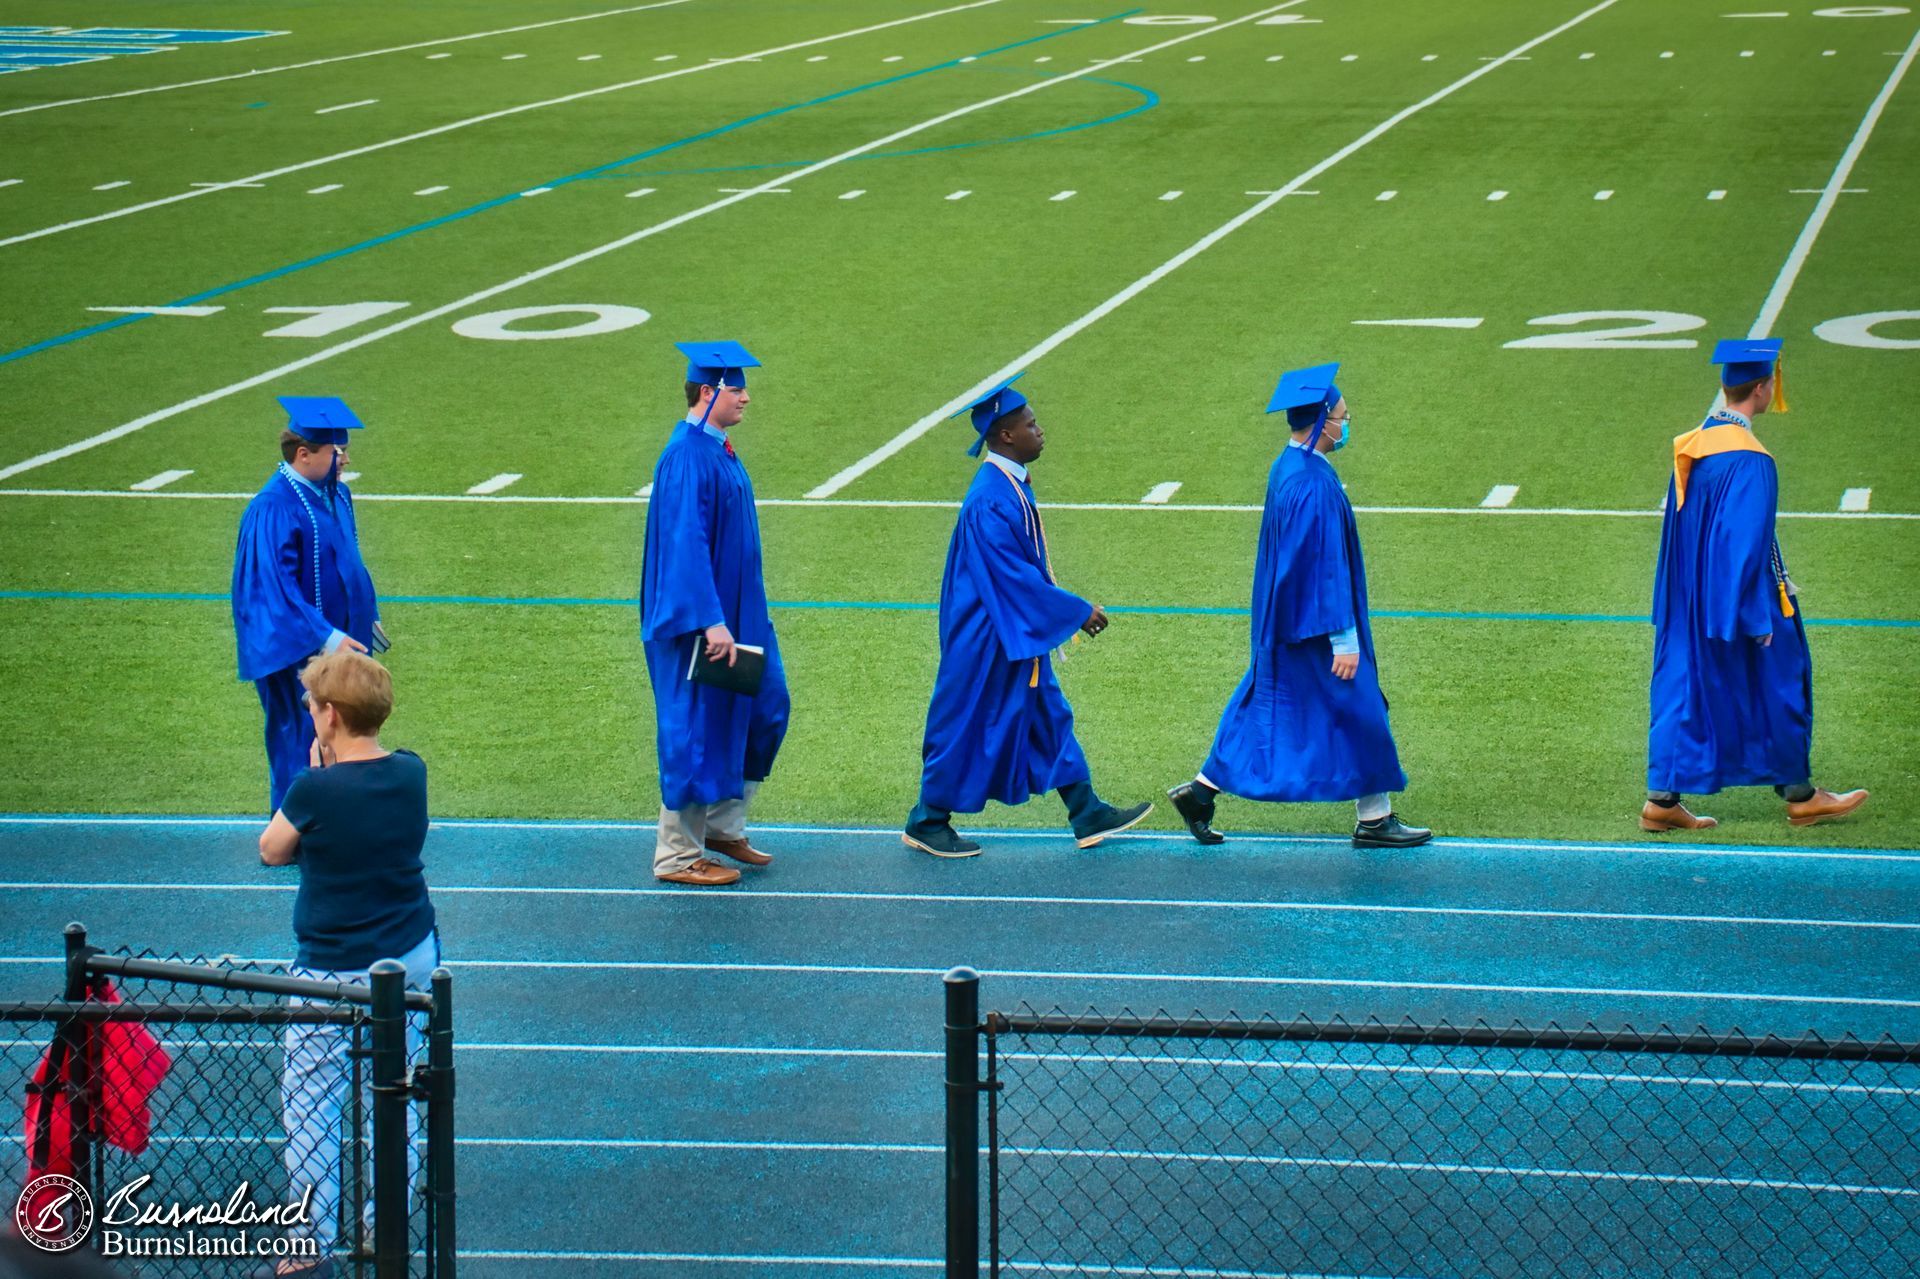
684	831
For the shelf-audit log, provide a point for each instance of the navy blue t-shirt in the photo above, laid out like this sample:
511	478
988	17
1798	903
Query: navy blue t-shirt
363	888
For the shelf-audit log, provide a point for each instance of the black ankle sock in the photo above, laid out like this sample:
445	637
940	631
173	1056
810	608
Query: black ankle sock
1795	794
1207	792
1668	800
1375	823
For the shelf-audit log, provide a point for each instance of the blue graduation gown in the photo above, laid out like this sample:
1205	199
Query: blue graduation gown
297	578
998	726
1726	711
1293	730
702	567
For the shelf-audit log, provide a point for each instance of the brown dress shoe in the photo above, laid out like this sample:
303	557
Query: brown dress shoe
703	874
1823	804
740	850
1654	817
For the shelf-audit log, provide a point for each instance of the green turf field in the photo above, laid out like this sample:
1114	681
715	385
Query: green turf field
890	202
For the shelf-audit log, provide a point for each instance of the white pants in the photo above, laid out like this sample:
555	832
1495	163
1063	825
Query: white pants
314	1095
684	831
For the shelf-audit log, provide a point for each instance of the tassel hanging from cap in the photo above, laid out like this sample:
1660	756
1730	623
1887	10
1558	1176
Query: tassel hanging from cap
1779	402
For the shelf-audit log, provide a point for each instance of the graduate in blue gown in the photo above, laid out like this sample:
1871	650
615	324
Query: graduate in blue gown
1308	721
299	585
701	585
998	726
1732	690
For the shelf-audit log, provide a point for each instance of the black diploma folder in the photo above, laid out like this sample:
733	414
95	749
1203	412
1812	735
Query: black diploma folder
749	664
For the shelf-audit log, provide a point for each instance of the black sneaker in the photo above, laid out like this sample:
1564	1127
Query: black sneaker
1108	820
1389	832
941	841
1195	807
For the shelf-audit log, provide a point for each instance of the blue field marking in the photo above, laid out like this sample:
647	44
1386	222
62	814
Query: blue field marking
75	48
28	61
517	194
168	35
921	606
1149	100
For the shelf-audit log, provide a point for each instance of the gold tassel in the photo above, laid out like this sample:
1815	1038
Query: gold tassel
1779	404
1786	601
1034	682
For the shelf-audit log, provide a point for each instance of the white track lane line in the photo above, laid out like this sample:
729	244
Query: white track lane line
1314	1067
693	69
899	442
862	503
1797	258
345	57
1011	899
588	255
1652	848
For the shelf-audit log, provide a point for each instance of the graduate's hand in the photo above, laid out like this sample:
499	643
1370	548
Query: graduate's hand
720	644
352	645
1346	665
1096	622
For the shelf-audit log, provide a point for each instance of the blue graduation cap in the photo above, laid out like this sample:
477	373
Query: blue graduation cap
717	363
990	408
1745	360
319	419
1306	395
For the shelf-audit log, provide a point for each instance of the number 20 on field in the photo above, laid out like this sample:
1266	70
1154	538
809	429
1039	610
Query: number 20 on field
1654	330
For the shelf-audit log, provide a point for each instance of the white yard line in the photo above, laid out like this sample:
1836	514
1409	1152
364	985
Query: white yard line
347	106
1797	258
1500	495
899	442
190	311
345	57
1159	494
160	481
860	503
449	127
1856	499
554	268
498	482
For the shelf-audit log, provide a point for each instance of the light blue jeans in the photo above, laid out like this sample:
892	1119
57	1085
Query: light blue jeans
314	1093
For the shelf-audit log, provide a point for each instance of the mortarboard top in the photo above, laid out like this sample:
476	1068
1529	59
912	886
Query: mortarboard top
1306	395
319	419
1746	359
717	363
989	408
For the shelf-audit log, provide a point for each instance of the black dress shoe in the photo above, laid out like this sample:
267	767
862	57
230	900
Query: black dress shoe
1108	820
1389	832
941	841
1196	810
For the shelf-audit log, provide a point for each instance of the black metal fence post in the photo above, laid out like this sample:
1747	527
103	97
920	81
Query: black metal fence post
963	1123
392	1246
79	1038
440	1168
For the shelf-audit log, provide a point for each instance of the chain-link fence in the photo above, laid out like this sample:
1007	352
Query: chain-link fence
220	1118
1123	1145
